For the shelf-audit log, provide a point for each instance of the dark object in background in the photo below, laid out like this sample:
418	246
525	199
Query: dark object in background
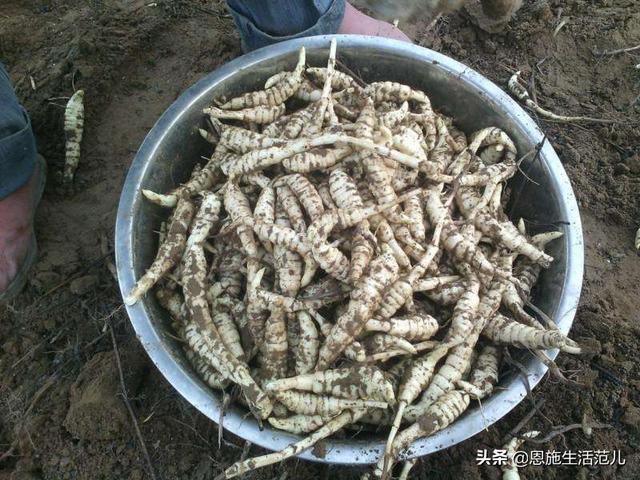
495	11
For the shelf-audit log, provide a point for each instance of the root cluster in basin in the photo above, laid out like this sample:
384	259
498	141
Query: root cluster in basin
344	257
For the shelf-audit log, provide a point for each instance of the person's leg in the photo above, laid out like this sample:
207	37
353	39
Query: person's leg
17	144
17	182
263	22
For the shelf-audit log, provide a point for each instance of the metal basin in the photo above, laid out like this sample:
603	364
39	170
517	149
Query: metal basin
173	146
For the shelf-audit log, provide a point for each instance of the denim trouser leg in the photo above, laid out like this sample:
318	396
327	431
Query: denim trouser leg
263	22
17	143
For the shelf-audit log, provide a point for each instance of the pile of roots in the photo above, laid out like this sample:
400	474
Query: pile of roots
344	258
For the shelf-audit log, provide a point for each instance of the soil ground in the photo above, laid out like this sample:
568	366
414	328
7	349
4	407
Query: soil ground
133	58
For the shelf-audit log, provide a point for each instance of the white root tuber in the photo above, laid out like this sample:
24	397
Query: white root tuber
73	129
522	94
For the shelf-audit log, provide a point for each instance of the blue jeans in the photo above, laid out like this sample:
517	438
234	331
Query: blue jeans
263	22
17	143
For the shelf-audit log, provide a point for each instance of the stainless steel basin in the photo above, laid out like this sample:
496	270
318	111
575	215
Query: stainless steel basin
173	146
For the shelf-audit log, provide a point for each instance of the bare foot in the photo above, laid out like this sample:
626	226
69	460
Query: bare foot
356	22
16	222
